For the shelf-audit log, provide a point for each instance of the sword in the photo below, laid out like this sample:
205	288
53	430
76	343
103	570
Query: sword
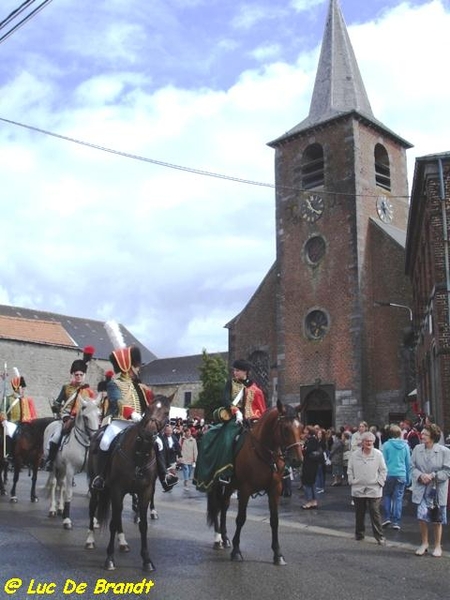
4	375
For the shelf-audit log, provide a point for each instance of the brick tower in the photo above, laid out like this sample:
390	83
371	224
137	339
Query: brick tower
341	215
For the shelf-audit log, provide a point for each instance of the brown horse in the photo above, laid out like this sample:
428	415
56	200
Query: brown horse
27	452
258	467
136	442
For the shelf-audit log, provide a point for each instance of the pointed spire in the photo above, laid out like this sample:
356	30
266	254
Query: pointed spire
339	87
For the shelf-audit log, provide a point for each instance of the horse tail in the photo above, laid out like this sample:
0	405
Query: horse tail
214	504
103	505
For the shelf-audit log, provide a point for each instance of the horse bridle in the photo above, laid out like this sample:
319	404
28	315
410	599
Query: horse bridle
284	449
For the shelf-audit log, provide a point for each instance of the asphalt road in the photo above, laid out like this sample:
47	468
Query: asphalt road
39	559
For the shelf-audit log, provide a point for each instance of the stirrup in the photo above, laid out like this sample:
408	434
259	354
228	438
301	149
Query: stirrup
98	483
225	480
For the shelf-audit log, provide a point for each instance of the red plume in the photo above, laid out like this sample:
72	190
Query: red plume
88	353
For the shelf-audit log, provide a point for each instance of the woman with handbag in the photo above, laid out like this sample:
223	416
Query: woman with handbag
430	472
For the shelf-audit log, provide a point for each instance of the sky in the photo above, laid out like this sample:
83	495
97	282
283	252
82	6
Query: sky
174	254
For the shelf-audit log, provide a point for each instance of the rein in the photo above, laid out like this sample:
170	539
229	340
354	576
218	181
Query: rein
279	453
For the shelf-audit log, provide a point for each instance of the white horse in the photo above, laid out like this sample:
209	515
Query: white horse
71	458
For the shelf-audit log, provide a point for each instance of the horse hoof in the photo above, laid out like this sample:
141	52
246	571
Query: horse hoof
218	546
14	499
148	567
237	556
226	543
52	514
35	499
59	512
154	515
68	526
124	548
89	546
3	493
279	561
109	565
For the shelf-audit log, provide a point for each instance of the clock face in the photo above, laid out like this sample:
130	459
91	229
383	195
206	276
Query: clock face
385	209
316	324
311	208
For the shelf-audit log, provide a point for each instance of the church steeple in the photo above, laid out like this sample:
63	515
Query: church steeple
339	87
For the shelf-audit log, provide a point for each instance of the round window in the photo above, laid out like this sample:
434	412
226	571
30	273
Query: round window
316	324
315	248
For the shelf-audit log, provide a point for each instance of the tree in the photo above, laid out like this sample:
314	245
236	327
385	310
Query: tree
213	375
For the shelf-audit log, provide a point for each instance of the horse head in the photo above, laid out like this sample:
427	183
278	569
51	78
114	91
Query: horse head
290	434
156	415
87	418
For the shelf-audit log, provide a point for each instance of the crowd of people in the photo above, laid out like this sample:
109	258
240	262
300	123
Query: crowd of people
379	465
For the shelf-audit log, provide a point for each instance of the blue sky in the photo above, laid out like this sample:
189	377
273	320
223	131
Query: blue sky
203	84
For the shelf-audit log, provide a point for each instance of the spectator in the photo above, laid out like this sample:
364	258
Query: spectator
337	459
312	454
430	471
189	453
367	475
397	457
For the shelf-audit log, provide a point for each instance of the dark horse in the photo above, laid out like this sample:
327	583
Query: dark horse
27	452
124	477
258	467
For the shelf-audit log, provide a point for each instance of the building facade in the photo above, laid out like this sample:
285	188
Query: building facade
427	265
315	328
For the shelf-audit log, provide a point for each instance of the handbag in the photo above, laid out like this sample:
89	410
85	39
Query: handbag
434	512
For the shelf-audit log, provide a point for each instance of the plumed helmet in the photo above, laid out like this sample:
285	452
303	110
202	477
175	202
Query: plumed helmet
88	353
121	360
78	365
16	380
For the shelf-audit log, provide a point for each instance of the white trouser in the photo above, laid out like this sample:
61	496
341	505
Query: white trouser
115	427
10	427
55	435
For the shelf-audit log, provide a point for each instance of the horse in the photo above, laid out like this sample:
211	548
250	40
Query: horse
71	458
124	477
28	449
258	467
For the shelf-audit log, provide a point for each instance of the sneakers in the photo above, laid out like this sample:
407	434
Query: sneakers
320	491
386	523
396	526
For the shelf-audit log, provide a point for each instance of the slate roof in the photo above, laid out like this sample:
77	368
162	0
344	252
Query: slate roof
397	234
29	325
174	371
339	89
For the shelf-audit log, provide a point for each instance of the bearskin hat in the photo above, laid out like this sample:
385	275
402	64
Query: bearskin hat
242	365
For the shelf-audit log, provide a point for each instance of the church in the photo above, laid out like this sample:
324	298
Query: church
329	327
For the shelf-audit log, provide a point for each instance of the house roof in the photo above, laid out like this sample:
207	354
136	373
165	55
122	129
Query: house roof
36	326
174	371
398	235
29	330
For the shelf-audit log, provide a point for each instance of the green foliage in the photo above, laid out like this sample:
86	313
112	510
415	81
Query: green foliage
213	375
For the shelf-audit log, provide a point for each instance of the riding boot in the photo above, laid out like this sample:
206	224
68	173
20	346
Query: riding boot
52	453
98	483
167	479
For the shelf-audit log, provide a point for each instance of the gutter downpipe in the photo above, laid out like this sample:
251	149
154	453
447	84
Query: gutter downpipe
445	235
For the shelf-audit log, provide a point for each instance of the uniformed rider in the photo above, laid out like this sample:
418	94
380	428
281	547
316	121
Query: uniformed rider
19	409
68	402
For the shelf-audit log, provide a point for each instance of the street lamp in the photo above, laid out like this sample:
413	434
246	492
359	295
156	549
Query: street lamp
380	303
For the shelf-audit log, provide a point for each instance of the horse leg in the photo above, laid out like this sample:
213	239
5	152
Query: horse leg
153	512
274	496
93	502
115	525
240	520
17	468
33	496
147	564
51	484
67	521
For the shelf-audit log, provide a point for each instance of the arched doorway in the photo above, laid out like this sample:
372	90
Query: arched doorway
318	409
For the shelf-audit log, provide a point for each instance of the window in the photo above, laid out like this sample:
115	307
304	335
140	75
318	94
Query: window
382	168
313	167
316	324
187	399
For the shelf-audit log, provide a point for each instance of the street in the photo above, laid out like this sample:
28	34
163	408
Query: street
41	559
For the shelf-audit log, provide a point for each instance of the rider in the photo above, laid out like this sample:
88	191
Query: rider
127	398
243	403
68	402
19	409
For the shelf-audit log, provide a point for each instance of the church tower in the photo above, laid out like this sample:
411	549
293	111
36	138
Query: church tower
341	215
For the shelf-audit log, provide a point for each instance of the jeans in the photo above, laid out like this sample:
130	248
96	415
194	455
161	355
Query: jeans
188	471
310	492
393	492
320	477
